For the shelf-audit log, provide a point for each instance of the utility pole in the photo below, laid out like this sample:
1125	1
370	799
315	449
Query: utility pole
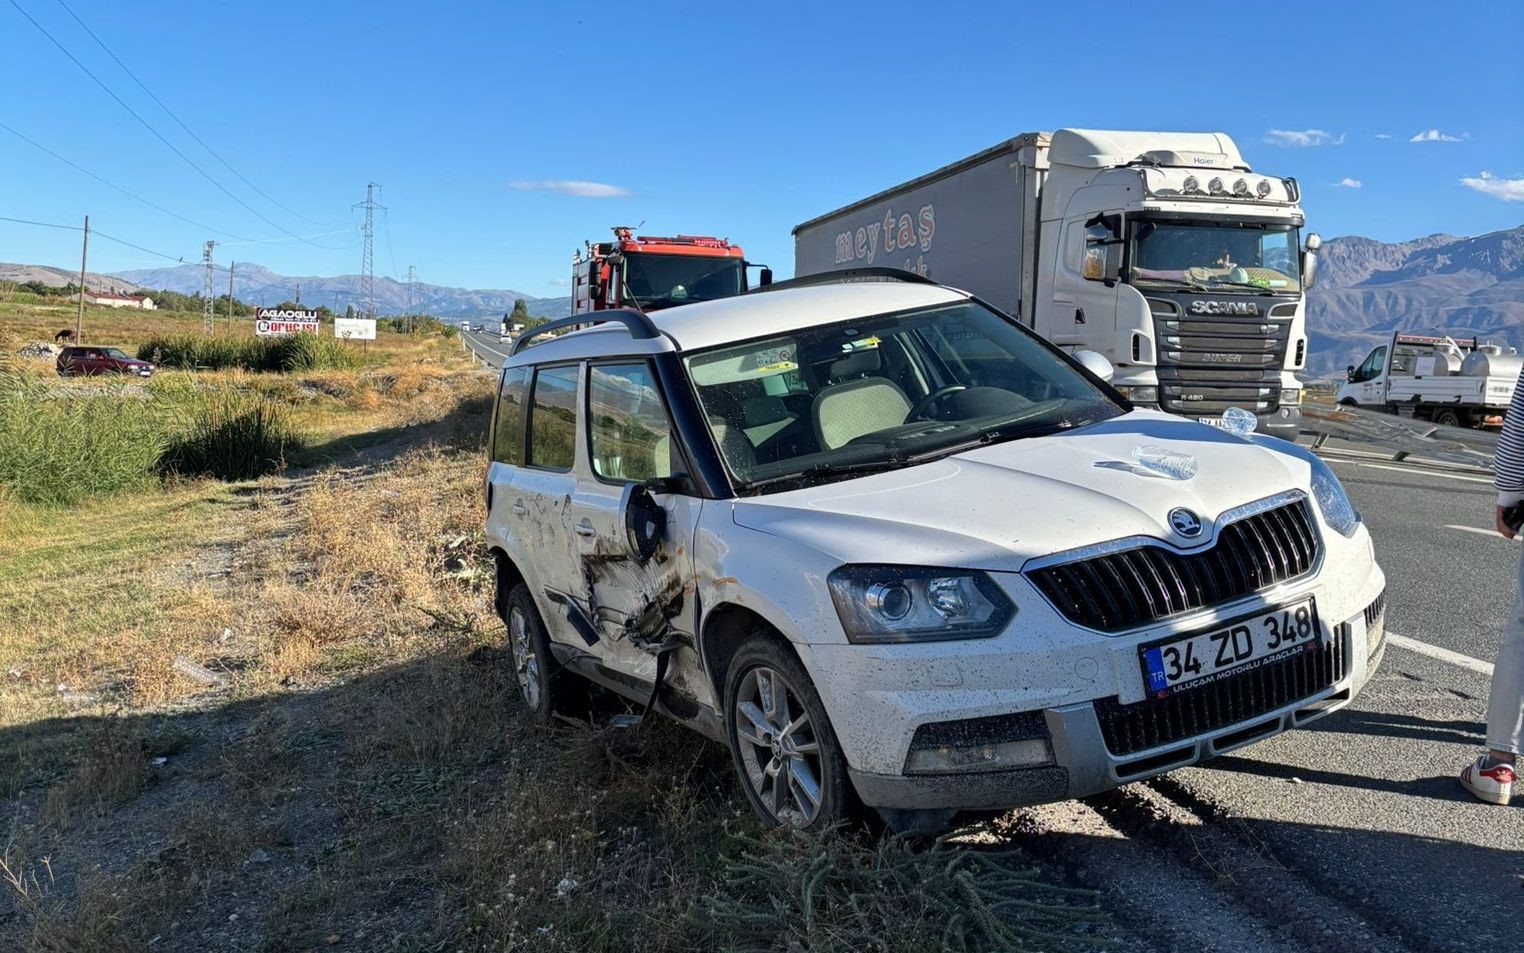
298	292
367	266
79	316
207	304
412	281
231	266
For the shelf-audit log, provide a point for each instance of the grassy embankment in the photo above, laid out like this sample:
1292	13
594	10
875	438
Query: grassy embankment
274	714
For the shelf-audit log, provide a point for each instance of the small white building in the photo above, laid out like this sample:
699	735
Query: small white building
111	299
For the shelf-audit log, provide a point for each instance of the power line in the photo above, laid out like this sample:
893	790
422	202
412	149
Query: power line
97	233
188	131
109	184
158	135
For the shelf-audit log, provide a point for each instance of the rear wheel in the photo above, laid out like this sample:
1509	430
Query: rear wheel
540	686
1450	418
785	752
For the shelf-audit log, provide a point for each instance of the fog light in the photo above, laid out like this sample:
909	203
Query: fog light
1004	755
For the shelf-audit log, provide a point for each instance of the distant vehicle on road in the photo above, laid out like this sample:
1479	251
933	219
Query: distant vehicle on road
650	273
1452	381
477	328
465	326
77	360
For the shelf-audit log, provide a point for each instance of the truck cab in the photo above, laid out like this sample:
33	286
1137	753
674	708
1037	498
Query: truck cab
1171	257
651	273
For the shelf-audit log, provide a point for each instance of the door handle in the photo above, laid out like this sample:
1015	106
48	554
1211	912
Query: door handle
585	528
518	508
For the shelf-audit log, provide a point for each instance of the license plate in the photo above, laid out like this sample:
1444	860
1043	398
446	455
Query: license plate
1217	422
1195	660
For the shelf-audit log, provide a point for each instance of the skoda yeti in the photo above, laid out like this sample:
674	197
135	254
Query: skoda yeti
896	551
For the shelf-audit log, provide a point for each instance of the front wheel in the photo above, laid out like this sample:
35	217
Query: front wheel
786	755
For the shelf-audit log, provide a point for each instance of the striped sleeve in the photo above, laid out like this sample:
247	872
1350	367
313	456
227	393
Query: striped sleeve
1508	469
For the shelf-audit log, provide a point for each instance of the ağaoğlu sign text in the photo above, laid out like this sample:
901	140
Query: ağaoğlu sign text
279	322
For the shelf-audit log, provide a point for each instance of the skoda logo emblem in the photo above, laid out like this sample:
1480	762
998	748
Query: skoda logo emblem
1185	522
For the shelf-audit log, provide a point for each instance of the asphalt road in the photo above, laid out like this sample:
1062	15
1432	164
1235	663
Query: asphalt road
1351	834
487	347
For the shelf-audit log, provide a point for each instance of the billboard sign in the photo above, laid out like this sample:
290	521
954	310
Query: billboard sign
280	322
354	329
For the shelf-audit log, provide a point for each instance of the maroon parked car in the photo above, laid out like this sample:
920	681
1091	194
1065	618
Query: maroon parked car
84	360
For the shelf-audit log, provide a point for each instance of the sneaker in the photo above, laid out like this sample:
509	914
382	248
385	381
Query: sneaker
1491	784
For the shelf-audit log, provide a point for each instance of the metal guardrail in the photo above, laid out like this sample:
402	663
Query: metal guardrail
1402	436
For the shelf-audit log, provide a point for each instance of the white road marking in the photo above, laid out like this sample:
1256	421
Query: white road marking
1428	473
1476	529
1443	655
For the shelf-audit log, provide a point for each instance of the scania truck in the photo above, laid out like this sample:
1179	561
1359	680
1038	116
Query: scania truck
1163	251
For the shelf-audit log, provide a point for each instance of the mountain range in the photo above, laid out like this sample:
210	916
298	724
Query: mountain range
1365	289
259	285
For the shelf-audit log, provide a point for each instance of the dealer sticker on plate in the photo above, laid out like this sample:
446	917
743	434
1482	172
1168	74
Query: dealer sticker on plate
1194	660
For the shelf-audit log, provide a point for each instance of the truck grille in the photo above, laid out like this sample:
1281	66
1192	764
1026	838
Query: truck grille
1134	587
1208	364
1155	722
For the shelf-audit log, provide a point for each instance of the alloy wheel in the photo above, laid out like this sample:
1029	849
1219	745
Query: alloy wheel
526	662
779	748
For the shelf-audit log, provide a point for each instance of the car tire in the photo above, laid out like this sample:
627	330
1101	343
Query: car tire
1448	418
539	679
786	755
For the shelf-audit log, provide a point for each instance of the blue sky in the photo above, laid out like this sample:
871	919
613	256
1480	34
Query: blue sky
739	120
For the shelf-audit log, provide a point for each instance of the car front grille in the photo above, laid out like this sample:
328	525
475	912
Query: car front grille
1156	722
1134	587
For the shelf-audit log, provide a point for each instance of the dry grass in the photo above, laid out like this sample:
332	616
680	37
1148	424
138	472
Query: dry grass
360	776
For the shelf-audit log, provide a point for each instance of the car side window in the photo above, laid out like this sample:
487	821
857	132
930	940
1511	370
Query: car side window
553	418
508	437
628	431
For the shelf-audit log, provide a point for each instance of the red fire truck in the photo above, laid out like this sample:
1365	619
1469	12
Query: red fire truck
650	273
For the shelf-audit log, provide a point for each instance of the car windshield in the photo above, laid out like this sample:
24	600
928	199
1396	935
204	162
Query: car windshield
1242	258
115	352
657	281
884	392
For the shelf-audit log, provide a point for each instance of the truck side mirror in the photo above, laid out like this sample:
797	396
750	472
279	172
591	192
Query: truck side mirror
1310	259
1349	374
766	277
1103	249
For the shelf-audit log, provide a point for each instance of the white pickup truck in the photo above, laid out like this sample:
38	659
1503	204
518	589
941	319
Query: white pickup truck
1448	380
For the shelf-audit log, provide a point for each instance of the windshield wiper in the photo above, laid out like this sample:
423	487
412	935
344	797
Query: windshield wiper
1262	289
819	470
1180	282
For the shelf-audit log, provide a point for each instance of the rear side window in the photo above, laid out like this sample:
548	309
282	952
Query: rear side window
508	437
628	433
553	418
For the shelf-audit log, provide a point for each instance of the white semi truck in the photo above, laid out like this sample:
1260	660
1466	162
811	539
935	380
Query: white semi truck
1448	380
1163	251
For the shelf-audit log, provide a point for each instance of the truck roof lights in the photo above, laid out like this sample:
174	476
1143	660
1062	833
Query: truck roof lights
1241	187
1191	184
1215	186
1263	188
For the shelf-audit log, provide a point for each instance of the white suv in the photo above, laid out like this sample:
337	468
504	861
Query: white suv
895	550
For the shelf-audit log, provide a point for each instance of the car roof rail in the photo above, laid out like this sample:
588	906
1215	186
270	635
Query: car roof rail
638	323
846	275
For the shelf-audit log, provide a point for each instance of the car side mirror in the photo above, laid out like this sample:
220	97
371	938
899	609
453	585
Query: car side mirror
1349	374
1096	363
644	519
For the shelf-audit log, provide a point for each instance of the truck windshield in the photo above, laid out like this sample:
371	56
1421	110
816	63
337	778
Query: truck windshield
1239	257
660	281
884	392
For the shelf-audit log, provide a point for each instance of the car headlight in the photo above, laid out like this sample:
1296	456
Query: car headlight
1291	397
1327	491
917	604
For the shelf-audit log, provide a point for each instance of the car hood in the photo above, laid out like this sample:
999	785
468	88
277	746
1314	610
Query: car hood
998	506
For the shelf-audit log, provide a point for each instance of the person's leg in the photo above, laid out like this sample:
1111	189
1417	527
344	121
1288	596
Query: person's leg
1505	699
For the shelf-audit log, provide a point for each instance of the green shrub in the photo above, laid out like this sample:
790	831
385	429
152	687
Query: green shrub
300	352
58	448
231	435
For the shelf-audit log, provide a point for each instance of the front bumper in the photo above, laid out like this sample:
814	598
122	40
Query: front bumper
1084	764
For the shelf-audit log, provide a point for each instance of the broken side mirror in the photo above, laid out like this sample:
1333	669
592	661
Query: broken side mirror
644	519
1103	249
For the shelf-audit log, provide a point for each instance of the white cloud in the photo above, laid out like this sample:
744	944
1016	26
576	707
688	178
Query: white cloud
1434	135
560	282
577	187
1509	190
1346	183
1303	137
1383	135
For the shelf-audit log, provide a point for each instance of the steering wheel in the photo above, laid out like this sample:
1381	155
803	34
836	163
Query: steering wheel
925	403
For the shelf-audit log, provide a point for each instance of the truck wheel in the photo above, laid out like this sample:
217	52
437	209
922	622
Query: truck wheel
786	755
541	685
1449	418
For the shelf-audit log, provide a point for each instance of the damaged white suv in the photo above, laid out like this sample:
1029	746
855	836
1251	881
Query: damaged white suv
894	550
